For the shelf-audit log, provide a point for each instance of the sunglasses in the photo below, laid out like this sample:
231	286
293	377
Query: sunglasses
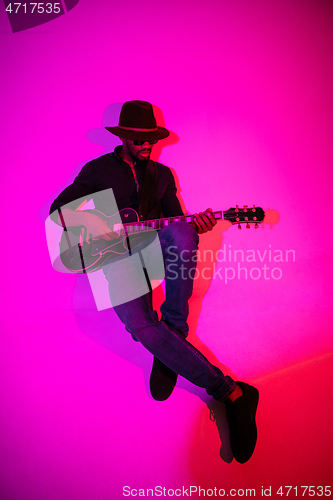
141	143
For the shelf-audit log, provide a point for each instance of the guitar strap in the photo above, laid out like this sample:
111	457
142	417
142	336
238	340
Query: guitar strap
147	190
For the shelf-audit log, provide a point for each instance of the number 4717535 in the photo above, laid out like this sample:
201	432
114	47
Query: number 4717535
34	7
310	491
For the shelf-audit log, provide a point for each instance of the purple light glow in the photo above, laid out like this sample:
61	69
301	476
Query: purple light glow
246	87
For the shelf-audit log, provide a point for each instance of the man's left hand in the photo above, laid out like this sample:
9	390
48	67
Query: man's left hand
204	221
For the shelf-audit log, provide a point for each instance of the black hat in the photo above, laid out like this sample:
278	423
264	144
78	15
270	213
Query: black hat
137	121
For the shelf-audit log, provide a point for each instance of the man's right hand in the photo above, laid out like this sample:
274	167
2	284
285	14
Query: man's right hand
96	226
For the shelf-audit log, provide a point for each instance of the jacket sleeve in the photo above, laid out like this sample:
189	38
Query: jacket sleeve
83	186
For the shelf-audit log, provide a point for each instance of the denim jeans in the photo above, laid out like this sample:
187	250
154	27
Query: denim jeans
166	339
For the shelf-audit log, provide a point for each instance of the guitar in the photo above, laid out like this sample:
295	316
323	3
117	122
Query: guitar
78	256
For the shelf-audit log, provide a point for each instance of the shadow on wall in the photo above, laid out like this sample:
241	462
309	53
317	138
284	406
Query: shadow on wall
104	326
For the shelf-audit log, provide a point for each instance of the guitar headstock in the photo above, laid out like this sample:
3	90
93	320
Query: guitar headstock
246	215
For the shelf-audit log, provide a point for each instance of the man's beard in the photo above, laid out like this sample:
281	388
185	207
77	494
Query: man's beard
139	161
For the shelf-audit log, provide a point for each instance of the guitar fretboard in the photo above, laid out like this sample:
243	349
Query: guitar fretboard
155	224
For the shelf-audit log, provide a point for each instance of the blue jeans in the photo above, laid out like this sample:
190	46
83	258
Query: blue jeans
166	339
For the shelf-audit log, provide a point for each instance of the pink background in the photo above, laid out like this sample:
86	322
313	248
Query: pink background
247	89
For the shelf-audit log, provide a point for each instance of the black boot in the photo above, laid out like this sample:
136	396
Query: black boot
162	380
241	418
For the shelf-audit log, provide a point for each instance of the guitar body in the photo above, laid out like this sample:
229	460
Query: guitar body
81	257
78	256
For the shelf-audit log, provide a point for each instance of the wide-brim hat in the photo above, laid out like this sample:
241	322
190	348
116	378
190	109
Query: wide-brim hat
137	121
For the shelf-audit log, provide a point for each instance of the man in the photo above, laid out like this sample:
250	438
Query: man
149	188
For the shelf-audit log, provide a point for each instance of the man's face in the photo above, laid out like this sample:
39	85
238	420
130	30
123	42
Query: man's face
138	152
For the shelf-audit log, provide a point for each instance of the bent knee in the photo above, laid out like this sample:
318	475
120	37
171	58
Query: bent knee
134	325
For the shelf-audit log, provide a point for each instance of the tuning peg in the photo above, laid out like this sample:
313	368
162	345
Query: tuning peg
245	208
237	208
247	226
239	226
256	225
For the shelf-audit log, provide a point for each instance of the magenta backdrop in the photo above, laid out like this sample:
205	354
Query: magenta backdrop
246	89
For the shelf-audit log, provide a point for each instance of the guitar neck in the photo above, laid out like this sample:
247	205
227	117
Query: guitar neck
246	215
157	224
